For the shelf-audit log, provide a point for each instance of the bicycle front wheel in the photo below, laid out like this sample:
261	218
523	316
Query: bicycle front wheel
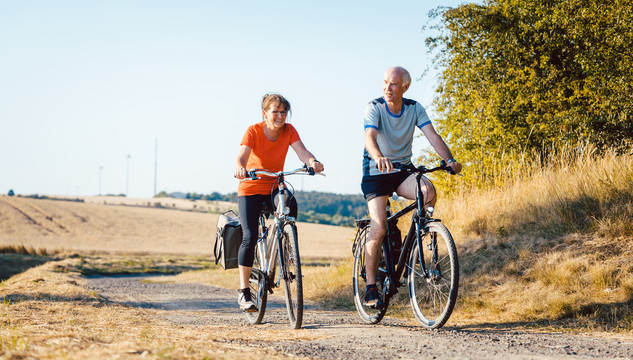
257	283
433	277
293	282
359	282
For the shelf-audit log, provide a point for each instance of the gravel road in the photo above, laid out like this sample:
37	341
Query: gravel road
344	336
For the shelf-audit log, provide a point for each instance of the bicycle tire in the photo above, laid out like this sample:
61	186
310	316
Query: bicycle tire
359	282
259	294
293	281
433	298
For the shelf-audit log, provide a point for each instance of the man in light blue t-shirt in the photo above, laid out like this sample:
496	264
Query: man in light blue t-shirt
390	123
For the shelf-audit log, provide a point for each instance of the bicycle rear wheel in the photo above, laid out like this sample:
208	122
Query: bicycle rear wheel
433	295
359	282
293	281
257	283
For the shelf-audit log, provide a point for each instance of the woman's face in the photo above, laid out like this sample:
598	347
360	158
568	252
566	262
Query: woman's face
275	116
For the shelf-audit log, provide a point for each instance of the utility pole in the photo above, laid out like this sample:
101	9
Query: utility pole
127	175
155	165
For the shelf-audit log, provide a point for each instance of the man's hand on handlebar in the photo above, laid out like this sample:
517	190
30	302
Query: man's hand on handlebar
455	167
384	165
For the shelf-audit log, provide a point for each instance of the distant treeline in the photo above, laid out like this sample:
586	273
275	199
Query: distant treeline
315	207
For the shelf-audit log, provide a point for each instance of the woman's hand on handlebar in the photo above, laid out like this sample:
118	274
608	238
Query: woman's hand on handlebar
240	173
316	165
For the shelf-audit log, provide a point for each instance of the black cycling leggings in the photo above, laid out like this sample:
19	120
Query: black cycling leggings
249	208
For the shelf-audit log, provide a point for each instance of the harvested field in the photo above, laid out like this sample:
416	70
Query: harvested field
98	225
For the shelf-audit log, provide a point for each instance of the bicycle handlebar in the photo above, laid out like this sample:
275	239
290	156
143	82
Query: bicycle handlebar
253	173
422	169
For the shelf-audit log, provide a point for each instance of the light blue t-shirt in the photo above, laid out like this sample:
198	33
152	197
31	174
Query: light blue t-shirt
395	132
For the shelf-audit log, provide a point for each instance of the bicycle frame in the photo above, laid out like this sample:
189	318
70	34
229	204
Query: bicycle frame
425	262
274	239
279	244
396	272
281	218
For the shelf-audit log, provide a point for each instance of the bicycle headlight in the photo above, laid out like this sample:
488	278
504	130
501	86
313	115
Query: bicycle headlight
429	210
286	210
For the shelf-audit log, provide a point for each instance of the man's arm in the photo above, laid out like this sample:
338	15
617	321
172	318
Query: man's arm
371	145
440	146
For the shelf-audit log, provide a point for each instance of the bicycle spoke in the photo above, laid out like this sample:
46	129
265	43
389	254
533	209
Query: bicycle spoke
293	286
433	296
359	282
257	284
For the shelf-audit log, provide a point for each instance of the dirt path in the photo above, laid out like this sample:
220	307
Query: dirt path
341	335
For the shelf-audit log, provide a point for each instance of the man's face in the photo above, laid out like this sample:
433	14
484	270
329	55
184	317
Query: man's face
393	87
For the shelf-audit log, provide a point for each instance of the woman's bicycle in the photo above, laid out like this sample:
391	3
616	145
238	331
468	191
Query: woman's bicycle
277	246
425	261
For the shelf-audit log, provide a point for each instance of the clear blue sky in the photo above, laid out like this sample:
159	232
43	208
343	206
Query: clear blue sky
84	84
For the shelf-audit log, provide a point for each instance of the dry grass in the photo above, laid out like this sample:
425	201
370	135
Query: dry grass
46	313
551	245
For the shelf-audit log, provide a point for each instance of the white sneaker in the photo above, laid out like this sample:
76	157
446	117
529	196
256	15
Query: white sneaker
245	301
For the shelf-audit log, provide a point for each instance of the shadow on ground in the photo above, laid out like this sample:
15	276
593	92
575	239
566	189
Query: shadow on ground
13	264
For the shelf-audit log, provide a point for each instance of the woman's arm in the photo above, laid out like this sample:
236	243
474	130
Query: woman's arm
306	157
242	160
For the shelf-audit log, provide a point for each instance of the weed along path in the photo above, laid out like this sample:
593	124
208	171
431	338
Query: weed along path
335	334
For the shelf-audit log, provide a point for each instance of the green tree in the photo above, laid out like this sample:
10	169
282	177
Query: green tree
532	75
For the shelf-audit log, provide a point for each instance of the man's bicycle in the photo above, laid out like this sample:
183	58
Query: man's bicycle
277	246
425	261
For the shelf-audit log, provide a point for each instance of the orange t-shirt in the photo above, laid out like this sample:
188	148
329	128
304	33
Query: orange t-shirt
265	154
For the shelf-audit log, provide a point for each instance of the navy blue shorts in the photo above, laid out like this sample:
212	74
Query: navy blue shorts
382	185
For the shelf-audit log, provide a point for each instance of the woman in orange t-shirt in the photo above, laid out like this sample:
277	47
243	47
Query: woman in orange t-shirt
264	146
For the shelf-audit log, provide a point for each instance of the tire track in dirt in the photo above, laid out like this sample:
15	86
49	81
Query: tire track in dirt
36	216
337	334
50	218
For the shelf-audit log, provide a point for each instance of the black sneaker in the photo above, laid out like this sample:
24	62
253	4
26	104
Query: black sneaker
245	301
372	298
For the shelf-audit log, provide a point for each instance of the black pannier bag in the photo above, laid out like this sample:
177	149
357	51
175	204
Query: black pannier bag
228	240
